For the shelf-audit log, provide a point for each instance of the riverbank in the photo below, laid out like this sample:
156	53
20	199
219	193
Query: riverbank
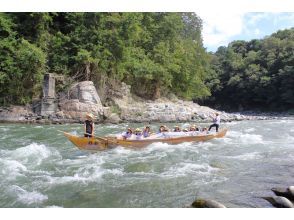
148	112
116	104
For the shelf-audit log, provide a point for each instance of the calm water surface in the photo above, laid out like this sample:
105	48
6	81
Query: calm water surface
39	167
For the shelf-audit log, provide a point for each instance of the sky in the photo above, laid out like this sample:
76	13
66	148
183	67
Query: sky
221	28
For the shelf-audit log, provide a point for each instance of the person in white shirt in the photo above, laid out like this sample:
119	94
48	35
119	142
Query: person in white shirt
216	122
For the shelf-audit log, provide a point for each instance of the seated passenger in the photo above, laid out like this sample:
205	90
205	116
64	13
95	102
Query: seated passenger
177	129
138	133
204	130
161	129
146	132
127	134
194	128
166	129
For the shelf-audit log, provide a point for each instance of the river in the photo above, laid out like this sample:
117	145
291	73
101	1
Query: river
39	167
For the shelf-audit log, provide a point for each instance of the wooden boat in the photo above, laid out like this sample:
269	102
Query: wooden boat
103	143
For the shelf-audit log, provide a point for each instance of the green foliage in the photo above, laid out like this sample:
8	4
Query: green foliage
156	53
255	74
22	66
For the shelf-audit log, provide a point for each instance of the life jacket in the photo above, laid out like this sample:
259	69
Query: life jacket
138	135
89	126
145	134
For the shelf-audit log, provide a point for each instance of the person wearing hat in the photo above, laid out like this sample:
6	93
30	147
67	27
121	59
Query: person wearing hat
127	134
216	122
89	125
138	133
194	128
166	129
177	129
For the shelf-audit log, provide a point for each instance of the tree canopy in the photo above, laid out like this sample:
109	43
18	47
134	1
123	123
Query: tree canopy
257	74
155	53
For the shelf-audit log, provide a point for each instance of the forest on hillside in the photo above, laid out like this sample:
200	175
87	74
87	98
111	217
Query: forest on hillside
258	74
156	53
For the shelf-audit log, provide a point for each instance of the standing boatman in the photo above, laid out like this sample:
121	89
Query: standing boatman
216	122
89	125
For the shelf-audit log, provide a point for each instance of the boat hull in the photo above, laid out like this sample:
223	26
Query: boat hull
98	143
86	143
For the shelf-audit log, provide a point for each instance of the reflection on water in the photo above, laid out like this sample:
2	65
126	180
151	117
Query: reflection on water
41	168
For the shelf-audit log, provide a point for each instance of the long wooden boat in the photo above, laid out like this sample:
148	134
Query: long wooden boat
103	143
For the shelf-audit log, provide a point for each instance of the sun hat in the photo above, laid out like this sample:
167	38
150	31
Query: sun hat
90	115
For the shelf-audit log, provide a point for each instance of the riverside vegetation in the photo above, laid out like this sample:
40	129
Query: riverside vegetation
157	54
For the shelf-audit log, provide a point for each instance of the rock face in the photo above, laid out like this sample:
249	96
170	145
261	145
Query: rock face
82	98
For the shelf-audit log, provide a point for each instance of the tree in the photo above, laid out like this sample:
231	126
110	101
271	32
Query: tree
22	66
255	74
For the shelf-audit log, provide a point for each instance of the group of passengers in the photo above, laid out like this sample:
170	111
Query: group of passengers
89	128
146	132
137	132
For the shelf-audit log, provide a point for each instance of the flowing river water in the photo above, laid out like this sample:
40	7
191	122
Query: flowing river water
39	167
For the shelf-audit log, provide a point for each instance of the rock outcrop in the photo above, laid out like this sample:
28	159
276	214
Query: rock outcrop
82	98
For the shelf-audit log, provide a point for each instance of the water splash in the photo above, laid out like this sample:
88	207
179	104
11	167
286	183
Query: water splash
246	156
27	197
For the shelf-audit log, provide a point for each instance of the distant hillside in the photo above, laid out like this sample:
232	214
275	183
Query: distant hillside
258	74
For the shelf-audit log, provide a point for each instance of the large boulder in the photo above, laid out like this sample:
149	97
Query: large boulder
82	98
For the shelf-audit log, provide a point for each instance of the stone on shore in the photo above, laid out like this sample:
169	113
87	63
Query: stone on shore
285	192
206	203
279	202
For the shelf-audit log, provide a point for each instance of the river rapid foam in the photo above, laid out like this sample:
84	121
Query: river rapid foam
39	167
